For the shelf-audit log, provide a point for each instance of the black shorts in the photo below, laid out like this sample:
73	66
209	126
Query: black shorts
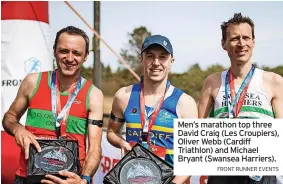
20	180
240	180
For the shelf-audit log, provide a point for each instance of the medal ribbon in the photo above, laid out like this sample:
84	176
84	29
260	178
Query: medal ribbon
144	120
61	116
237	100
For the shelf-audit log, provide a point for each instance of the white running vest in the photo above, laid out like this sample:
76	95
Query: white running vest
256	104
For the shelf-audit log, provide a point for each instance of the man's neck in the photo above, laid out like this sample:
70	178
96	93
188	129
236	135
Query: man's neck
240	71
65	82
152	88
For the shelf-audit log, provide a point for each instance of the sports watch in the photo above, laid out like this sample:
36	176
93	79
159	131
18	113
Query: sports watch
87	178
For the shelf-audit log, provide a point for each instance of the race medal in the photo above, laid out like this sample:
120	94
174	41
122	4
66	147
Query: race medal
145	123
237	100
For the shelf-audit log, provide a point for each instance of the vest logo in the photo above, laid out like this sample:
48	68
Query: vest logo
76	101
251	99
32	65
134	110
165	117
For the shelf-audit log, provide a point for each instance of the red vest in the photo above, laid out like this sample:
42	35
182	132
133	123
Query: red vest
40	120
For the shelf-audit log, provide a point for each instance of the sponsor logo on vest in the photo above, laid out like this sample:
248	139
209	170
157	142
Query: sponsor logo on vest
32	65
165	117
134	110
76	101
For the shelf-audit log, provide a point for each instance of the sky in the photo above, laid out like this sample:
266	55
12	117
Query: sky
193	27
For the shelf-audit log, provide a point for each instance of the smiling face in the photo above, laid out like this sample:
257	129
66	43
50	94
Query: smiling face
70	54
239	43
156	63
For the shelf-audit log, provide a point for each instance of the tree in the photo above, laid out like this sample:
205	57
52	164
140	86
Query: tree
132	53
107	72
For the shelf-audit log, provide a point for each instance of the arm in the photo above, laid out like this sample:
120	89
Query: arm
93	155
206	98
186	108
277	100
11	118
114	127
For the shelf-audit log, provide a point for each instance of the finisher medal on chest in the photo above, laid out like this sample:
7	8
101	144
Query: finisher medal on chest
56	154
237	100
148	119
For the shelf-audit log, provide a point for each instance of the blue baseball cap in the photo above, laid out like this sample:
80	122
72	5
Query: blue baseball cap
159	40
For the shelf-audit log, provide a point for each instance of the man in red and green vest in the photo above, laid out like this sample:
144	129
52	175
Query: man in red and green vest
60	99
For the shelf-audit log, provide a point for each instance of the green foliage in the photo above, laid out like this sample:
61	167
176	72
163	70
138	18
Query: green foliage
132	54
87	73
278	69
191	81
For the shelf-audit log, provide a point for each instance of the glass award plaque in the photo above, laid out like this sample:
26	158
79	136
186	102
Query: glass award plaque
55	155
140	166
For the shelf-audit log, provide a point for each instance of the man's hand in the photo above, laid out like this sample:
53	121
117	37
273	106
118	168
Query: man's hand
72	178
125	147
24	138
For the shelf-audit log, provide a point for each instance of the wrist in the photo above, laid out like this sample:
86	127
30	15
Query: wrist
17	129
83	181
86	179
123	143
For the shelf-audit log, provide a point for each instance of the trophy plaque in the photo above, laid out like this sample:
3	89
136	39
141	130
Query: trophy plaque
140	166
55	155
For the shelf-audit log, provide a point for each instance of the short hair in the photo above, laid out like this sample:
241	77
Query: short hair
237	19
71	30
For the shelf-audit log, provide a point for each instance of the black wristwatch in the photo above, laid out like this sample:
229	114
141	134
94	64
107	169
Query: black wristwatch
87	178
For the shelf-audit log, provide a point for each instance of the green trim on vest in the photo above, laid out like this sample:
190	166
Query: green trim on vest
211	112
87	97
37	85
49	77
241	117
246	109
44	119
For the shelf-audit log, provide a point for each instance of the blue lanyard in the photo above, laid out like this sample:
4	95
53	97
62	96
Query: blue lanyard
247	79
54	100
